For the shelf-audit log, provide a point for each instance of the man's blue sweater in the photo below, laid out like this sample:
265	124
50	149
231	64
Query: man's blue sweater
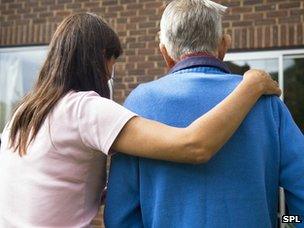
238	187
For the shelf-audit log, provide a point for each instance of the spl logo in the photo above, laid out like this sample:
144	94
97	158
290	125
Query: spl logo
291	219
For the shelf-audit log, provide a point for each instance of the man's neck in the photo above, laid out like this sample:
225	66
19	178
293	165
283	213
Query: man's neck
199	59
198	54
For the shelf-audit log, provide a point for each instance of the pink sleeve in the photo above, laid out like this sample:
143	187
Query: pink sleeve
100	121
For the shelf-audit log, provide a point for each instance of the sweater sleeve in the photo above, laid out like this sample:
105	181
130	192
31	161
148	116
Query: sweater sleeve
292	161
123	207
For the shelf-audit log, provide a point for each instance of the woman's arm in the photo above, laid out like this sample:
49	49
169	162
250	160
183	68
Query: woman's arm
205	136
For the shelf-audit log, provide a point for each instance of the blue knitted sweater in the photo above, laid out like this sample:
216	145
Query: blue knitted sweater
237	188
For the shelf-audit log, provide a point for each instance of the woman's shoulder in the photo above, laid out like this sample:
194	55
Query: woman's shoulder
74	99
79	95
86	103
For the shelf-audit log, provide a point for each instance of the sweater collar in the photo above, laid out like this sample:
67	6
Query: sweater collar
199	60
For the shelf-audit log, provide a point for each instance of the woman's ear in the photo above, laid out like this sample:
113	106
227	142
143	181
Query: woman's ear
169	61
224	45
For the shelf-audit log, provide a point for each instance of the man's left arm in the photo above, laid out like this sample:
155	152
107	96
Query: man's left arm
292	162
123	207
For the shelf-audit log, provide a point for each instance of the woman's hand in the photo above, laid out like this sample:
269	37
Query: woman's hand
262	82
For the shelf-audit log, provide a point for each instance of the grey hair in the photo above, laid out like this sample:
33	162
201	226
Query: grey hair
189	26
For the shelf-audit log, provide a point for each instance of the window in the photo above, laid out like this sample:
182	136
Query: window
19	68
293	81
285	66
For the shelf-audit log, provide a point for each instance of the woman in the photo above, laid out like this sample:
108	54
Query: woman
52	159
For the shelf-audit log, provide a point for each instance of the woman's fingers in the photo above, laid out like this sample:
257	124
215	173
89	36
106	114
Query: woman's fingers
263	80
274	88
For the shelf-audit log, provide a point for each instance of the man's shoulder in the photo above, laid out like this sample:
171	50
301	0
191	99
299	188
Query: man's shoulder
147	90
167	85
142	91
141	98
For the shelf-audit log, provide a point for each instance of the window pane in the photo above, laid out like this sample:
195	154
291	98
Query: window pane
241	66
294	88
18	70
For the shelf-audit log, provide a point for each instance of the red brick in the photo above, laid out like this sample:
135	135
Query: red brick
267	37
155	72
15	6
291	33
46	14
39	9
64	1
39	20
265	22
260	37
226	24
275	36
136	19
276	1
245	9
252	2
146	38
283	35
153	5
92	4
137	45
252	16
232	17
135	6
300	35
128	13
144	79
244	38
265	7
242	23
134	85
297	12
146	25
129	79
278	13
62	13
236	38
73	6
137	32
250	37
13	17
109	2
289	5
289	20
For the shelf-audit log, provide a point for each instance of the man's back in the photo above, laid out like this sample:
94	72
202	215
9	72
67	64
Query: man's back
236	188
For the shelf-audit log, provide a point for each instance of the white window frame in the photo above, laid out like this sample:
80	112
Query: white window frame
274	54
23	48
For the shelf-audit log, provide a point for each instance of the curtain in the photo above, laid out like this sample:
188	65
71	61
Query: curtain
11	89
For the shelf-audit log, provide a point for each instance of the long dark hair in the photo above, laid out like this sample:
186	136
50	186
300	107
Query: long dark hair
76	61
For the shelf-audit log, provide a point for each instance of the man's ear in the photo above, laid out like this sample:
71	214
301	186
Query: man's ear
224	45
169	61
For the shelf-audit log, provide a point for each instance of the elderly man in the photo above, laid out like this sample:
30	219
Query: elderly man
239	186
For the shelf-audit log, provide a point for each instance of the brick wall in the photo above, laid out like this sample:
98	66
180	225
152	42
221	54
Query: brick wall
136	21
253	24
265	23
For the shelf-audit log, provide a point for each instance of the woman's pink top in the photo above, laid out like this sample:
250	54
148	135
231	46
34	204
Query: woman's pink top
59	182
